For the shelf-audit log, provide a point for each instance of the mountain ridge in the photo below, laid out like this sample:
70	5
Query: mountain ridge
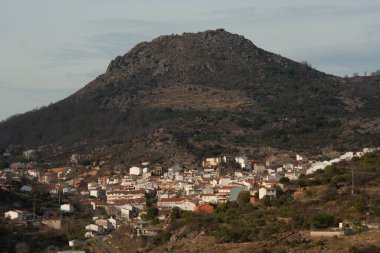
208	89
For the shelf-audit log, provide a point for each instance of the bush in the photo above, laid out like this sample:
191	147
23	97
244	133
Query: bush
244	123
161	238
243	197
151	213
284	180
321	221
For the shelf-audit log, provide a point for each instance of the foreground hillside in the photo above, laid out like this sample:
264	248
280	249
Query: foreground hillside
186	96
317	202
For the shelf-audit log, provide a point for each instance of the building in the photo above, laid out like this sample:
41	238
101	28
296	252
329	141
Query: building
95	228
68	208
267	191
209	198
97	192
106	224
301	158
187	206
169	203
17	215
98	203
243	162
115	195
136	171
213	161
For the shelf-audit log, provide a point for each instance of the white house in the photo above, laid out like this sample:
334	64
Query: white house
136	171
97	192
112	196
272	183
266	191
126	213
288	166
187	206
292	175
223	181
112	180
243	162
115	223
97	203
69	208
106	224
75	243
213	161
92	185
17	215
301	158
95	228
209	198
34	173
169	203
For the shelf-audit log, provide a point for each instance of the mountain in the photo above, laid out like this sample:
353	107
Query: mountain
196	94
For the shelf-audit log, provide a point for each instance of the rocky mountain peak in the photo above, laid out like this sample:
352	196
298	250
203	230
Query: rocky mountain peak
214	92
188	48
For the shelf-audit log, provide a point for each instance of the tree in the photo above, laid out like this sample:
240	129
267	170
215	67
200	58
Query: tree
285	180
267	201
243	198
376	73
4	164
321	221
307	64
152	213
175	214
331	170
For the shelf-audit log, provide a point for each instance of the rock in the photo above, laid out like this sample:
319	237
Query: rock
173	238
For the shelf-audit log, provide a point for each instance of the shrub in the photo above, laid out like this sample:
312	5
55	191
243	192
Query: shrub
243	197
321	221
284	180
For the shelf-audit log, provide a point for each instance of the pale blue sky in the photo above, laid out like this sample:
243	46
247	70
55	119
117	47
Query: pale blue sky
51	48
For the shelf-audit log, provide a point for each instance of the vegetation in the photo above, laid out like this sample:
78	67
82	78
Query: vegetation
314	207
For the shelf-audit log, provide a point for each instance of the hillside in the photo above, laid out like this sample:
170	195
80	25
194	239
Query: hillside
196	94
318	201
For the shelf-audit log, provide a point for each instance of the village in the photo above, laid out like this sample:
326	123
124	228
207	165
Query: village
145	196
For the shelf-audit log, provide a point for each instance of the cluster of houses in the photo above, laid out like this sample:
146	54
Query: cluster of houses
101	226
189	189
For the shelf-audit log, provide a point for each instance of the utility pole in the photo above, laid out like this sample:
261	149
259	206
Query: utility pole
352	189
59	198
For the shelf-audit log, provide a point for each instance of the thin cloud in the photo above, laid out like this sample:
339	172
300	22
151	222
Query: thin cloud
343	59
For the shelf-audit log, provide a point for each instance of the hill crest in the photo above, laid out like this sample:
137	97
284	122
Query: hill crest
211	92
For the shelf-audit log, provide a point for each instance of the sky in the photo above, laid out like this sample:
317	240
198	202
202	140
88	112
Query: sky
51	48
